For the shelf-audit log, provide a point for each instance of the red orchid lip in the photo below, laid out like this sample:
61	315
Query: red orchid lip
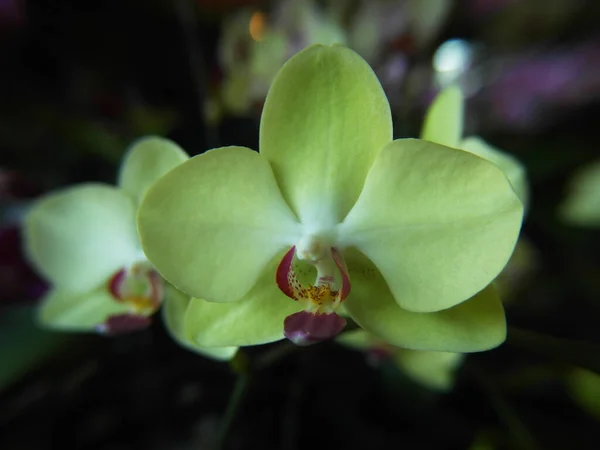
305	328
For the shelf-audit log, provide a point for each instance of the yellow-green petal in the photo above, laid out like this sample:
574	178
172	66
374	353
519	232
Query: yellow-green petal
78	311
358	339
475	325
324	121
212	224
80	236
511	166
146	161
434	370
444	118
255	319
439	223
174	309
582	204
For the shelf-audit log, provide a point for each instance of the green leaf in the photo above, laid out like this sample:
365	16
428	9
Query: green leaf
475	325
146	161
452	220
174	310
212	224
325	119
78	311
444	118
255	319
80	236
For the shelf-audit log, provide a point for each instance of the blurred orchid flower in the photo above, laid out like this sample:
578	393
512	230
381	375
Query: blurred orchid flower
255	46
83	239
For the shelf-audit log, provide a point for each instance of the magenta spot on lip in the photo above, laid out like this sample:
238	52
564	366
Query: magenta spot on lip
115	283
305	328
123	323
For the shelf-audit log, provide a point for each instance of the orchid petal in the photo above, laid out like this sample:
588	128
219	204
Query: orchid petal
440	224
475	325
511	166
146	161
324	121
444	118
256	319
79	311
174	310
80	236
434	370
444	125
358	339
212	224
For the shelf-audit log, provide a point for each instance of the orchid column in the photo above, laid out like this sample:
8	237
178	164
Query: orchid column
403	236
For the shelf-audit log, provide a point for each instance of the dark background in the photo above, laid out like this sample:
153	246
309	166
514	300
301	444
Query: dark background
80	80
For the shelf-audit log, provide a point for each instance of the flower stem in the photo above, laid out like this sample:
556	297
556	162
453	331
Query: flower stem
236	400
520	435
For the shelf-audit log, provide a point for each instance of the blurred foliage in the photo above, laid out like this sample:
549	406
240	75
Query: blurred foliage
29	345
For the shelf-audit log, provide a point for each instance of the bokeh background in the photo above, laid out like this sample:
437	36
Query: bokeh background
81	80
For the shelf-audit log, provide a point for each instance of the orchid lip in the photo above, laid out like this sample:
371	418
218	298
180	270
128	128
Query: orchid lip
306	328
118	324
320	300
139	286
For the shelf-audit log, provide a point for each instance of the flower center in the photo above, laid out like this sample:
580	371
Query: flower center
138	286
141	288
320	299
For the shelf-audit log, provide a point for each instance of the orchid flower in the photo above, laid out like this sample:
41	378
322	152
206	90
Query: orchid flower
433	370
83	239
333	218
